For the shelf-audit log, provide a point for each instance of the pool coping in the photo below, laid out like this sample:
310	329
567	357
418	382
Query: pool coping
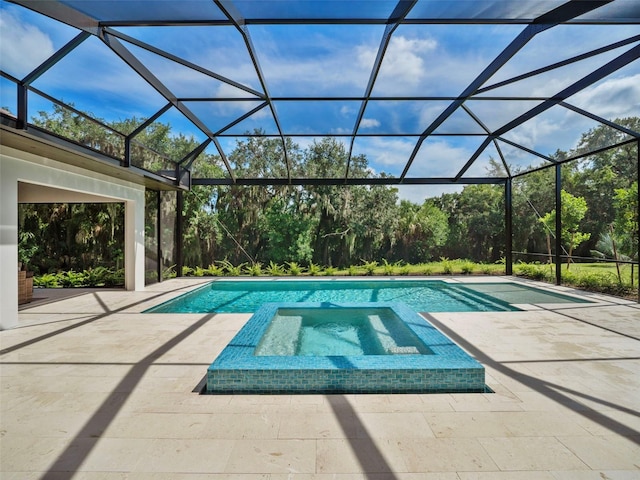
449	369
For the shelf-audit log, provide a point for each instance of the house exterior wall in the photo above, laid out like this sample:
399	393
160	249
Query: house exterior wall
18	166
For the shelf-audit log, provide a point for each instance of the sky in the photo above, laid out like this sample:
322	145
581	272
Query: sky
300	62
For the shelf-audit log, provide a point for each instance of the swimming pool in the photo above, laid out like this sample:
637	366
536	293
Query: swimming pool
246	296
431	363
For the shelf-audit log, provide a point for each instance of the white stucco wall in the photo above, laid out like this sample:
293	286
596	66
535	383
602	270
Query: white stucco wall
19	166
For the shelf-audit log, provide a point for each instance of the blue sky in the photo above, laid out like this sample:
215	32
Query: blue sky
334	60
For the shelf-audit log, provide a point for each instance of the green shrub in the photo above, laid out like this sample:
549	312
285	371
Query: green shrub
71	279
570	278
199	272
427	269
330	271
589	281
93	277
387	268
295	269
314	269
352	271
467	267
114	278
169	272
487	268
370	267
214	271
534	271
48	280
187	271
230	269
605	282
255	269
405	269
447	266
96	277
274	269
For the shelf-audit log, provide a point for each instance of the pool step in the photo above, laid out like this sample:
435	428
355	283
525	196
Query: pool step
387	341
284	336
463	295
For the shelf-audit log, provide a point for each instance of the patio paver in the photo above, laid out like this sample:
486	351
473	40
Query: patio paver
93	389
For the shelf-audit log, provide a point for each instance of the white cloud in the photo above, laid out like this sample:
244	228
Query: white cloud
22	46
346	111
239	108
554	81
559	128
369	123
428	112
533	132
403	66
391	154
226	90
434	159
419	193
613	98
441	62
562	42
330	64
385	154
439	158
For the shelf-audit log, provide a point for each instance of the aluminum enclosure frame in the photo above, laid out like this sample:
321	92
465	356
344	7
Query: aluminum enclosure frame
94	20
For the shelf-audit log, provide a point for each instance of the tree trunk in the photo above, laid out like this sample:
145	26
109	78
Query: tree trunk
615	255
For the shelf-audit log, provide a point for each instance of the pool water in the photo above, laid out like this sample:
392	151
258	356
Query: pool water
344	331
246	296
424	360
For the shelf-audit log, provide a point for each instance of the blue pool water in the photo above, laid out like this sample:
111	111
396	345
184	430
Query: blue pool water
425	360
338	331
246	296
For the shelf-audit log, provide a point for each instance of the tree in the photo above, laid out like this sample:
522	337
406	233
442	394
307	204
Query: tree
533	195
421	230
332	205
597	176
288	233
626	222
623	161
476	223
241	209
63	236
332	224
81	129
374	220
572	213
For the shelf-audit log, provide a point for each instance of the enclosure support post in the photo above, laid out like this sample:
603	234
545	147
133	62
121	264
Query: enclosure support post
126	162
21	122
508	227
159	234
179	232
558	257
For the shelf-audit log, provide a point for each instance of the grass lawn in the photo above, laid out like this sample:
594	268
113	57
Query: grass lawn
603	268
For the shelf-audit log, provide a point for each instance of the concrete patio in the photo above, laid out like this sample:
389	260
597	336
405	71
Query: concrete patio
93	389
